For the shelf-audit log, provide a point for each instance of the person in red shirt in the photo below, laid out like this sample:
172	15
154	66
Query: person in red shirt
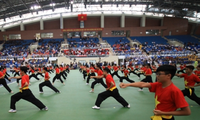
141	71
62	72
3	81
99	73
182	68
126	72
168	97
16	71
147	73
33	74
57	76
190	80
39	71
92	73
131	68
111	91
47	82
25	93
65	70
197	72
115	68
5	74
109	67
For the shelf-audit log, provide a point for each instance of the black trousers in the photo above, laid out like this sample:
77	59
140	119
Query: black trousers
115	73
7	74
147	79
140	74
126	78
193	96
88	78
28	96
115	93
48	84
16	73
18	80
84	74
33	75
182	71
68	70
40	74
6	77
57	76
134	73
80	70
98	81
62	74
65	73
3	82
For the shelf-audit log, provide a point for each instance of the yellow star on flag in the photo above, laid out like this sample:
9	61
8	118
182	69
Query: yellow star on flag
156	101
82	17
186	82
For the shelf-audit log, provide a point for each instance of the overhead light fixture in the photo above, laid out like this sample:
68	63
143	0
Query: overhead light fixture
96	0
52	4
72	2
35	7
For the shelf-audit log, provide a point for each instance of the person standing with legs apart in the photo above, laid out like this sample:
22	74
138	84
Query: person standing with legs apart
3	81
25	93
33	74
126	72
62	72
115	68
47	82
57	76
92	70
168	97
190	80
99	73
147	73
39	72
111	91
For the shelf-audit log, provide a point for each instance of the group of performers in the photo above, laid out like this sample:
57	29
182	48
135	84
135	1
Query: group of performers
21	73
168	97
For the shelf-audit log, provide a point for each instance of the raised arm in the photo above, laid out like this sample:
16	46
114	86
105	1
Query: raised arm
136	84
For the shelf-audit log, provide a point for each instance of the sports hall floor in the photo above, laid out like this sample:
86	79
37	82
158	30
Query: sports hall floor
75	102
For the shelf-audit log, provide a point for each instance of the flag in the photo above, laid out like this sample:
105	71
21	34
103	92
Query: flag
82	17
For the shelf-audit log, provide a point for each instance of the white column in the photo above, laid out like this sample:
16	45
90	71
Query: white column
123	20
102	20
21	26
143	21
2	29
41	24
61	21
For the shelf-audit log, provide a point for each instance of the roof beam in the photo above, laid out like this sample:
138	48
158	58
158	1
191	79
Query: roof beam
39	5
8	3
25	5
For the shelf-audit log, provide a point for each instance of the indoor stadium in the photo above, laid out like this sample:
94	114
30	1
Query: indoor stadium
99	59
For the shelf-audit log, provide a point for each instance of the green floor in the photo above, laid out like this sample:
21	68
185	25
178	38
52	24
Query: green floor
75	102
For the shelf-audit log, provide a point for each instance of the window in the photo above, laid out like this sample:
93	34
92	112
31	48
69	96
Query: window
89	34
14	36
152	32
74	34
46	35
117	33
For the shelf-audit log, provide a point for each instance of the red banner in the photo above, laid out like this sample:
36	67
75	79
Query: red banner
82	17
82	29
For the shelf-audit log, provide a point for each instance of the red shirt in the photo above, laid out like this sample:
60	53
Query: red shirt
115	68
182	67
99	72
4	71
32	71
109	79
61	68
190	80
169	98
92	69
46	76
39	69
148	71
136	66
143	68
87	70
197	73
109	67
1	74
126	72
57	71
132	68
25	79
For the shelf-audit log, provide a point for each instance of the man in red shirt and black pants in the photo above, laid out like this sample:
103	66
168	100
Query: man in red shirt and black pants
111	90
3	81
115	68
126	72
168	97
47	82
57	76
190	80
